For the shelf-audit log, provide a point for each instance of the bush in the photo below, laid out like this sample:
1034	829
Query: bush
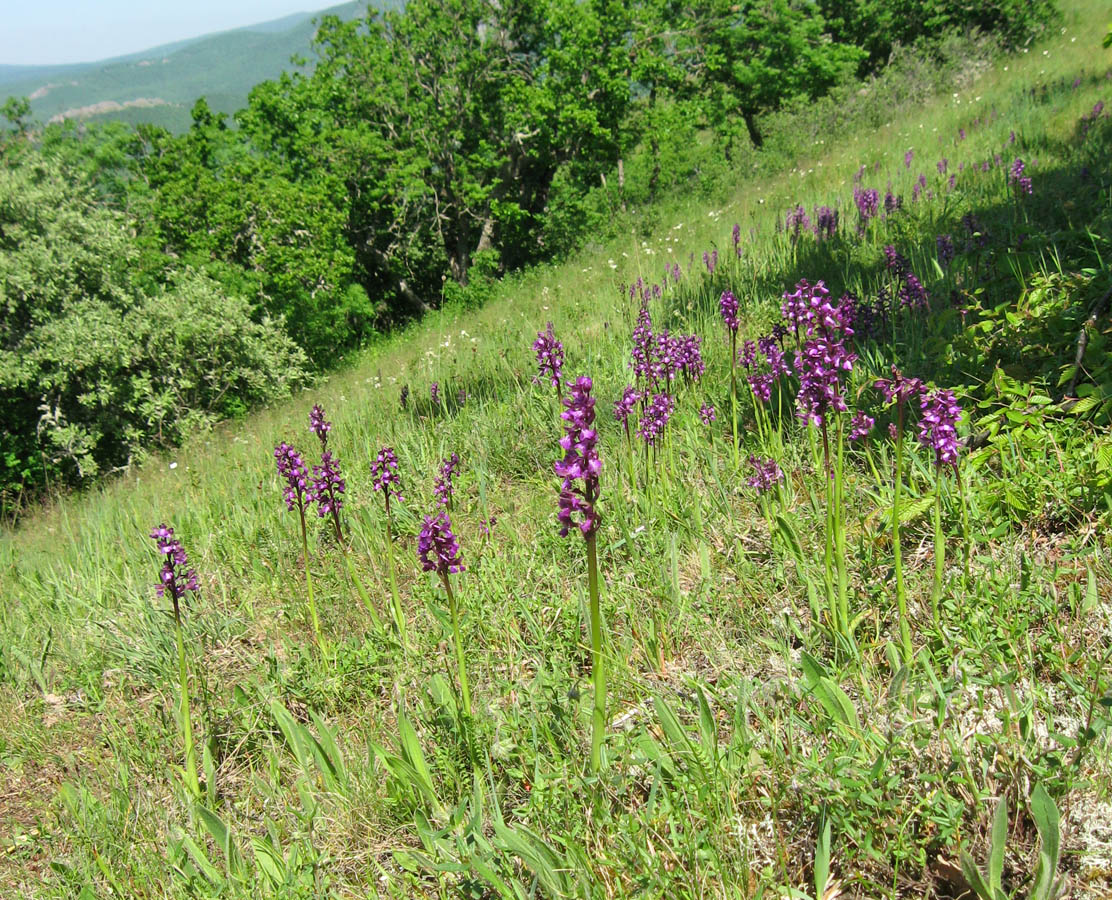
93	371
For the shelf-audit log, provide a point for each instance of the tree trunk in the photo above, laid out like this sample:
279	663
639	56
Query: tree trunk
407	293
750	117
486	237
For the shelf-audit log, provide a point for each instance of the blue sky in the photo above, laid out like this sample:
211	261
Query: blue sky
62	31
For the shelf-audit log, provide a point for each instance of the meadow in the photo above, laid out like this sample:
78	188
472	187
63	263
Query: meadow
831	618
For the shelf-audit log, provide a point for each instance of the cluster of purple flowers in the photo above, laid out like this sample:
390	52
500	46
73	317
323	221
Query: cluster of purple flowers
643	345
867	201
892	202
911	291
706	414
384	474
773	353
908	157
1017	179
747	355
819	365
766	474
292	467
581	464
796	222
944	244
761	382
826	223
437	547
403	397
550	356
434	393
328	486
655	418
319	425
899	389
937	431
1088	120
728	306
710	260
860	426
689	357
442	486
808	308
658	358
174	579
913	295
624	405
737	240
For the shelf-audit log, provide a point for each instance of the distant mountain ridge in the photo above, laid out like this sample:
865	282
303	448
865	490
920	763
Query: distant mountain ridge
160	85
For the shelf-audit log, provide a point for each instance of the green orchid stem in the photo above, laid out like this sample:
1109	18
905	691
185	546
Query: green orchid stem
897	556
363	595
598	666
464	687
840	535
939	550
967	543
309	577
733	395
184	706
399	613
828	551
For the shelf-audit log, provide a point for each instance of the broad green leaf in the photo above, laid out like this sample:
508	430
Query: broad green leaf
1045	814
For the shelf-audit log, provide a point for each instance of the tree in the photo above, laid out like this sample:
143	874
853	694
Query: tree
448	122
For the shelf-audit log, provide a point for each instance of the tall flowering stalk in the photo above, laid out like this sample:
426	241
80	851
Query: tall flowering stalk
550	359
937	432
175	579
327	491
899	391
384	478
767	476
821	364
728	306
299	492
319	425
438	551
579	493
442	486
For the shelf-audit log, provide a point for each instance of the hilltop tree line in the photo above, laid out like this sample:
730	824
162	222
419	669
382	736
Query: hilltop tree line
151	282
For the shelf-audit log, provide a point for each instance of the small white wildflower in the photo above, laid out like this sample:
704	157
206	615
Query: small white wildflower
173	465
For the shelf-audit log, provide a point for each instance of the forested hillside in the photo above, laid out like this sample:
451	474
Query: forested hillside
159	86
427	153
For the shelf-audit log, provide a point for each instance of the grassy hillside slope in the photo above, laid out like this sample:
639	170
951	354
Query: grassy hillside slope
161	85
755	744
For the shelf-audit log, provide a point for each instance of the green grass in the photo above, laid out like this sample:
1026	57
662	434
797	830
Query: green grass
739	728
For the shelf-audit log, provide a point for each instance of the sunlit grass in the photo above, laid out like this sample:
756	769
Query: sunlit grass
738	730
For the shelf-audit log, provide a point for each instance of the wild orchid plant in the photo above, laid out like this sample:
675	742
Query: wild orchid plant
443	486
328	490
438	551
937	432
175	580
579	493
728	306
384	477
898	391
550	359
822	362
298	493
